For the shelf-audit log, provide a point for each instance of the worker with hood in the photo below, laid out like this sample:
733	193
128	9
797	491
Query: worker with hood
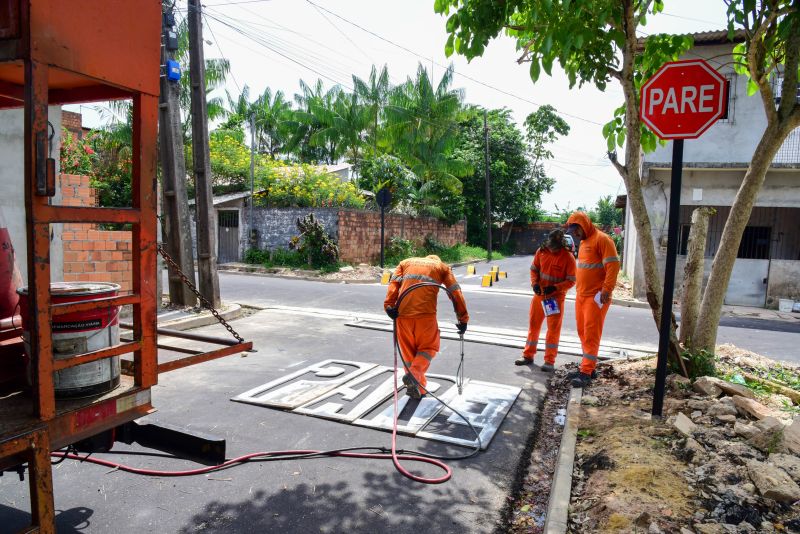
598	266
552	275
417	327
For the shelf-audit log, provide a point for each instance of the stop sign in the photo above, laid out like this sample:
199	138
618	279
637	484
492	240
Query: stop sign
683	99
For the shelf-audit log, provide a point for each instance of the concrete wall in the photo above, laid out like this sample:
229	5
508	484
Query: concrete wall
12	190
784	282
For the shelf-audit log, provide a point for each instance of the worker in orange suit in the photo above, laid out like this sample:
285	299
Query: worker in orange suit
552	275
598	266
417	327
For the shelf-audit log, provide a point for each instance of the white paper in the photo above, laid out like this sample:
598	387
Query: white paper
597	300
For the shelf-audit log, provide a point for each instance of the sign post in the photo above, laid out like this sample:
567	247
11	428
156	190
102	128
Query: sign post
680	101
384	198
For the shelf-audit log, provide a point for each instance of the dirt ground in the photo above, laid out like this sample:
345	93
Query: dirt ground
636	474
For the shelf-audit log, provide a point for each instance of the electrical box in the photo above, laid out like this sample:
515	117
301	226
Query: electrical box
173	70
169	20
171	40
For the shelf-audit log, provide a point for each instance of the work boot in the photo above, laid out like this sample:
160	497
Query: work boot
408	380
576	374
413	392
524	361
548	367
581	381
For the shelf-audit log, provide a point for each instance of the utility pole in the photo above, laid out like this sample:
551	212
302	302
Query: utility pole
488	189
175	201
251	233
205	219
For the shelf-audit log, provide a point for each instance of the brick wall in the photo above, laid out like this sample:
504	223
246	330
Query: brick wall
73	122
92	255
360	233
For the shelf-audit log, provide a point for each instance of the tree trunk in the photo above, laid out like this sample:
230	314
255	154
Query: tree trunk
693	275
705	335
631	174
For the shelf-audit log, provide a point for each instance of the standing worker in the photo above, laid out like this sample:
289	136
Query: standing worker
417	327
552	275
598	266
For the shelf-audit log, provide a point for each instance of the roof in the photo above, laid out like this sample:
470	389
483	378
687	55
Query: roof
711	37
222	199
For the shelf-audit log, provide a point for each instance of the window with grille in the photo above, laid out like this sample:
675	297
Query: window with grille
730	90
755	243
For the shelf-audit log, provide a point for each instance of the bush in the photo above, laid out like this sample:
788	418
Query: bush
314	244
256	256
305	186
400	249
700	363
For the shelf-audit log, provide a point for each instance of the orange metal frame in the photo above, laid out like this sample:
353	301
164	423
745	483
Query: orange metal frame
56	52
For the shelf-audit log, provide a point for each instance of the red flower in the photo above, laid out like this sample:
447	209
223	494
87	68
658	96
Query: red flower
88	150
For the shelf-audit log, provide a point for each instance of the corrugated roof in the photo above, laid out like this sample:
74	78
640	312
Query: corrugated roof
711	37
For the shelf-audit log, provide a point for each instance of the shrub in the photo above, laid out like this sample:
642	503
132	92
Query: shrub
305	186
77	155
314	244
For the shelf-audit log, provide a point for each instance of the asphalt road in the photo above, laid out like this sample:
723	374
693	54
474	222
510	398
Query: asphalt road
492	308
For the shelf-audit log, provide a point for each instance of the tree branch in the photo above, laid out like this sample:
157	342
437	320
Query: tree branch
621	169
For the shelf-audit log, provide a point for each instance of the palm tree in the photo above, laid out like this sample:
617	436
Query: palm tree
273	121
373	94
238	111
343	125
422	123
314	114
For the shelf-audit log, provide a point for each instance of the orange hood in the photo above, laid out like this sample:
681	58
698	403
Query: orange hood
580	218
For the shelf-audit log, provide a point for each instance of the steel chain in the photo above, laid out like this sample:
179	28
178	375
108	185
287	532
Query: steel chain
203	301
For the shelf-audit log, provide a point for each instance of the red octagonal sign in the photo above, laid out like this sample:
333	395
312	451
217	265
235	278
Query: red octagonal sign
683	99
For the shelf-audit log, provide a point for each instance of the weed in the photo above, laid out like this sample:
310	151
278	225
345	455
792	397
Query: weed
584	433
699	363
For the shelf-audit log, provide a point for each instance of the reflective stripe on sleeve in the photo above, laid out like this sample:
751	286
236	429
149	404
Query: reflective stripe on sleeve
590	265
610	259
551	278
425	355
534	269
571	278
454	287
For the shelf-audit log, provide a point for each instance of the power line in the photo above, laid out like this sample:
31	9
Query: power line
343	34
216	41
581	175
420	56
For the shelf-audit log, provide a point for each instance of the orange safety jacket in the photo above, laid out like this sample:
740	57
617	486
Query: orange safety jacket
553	269
598	263
422	302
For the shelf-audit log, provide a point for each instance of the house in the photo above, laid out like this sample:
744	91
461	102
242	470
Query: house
768	265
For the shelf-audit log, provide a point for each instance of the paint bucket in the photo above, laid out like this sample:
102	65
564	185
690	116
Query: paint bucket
785	305
79	333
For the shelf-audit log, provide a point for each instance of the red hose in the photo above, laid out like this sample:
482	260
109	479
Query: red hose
246	457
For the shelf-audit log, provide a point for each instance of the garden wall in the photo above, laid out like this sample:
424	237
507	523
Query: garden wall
528	238
92	255
359	234
276	226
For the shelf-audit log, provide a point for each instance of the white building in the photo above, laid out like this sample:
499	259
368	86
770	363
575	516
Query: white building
768	264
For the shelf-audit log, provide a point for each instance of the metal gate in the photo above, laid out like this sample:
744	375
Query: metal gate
228	240
748	284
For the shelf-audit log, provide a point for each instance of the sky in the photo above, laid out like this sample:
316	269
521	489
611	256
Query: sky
275	43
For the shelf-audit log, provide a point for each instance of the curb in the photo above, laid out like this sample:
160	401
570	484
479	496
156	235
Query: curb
234	311
558	505
301	278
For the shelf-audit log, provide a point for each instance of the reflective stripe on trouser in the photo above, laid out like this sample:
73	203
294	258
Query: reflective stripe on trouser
537	317
419	342
590	319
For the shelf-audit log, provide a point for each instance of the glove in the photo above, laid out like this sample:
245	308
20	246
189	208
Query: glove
392	312
549	290
537	289
462	327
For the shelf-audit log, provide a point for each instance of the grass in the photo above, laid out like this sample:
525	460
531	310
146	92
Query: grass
455	254
284	258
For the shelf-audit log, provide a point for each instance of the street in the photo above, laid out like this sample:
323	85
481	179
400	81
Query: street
492	308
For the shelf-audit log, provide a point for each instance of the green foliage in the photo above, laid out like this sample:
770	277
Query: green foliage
698	363
400	249
517	182
605	214
376	171
304	186
314	244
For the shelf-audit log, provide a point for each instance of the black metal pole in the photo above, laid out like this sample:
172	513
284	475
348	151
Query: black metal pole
669	276
488	188
383	209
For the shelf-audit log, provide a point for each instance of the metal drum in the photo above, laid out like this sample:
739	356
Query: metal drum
79	333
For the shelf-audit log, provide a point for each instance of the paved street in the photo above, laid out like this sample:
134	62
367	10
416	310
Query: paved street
493	308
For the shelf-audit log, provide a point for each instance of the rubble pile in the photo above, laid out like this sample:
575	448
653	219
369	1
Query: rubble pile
724	460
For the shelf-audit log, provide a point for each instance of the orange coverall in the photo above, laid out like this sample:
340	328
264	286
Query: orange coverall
417	327
549	269
598	266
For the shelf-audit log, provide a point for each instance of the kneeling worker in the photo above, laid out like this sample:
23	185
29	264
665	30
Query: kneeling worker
552	275
417	327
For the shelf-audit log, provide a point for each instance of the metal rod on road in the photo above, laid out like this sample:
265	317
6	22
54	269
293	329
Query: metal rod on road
669	276
186	335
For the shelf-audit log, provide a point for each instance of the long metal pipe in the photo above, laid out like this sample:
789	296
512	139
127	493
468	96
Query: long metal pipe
186	335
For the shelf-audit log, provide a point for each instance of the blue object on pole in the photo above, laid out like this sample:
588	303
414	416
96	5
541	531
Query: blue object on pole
173	70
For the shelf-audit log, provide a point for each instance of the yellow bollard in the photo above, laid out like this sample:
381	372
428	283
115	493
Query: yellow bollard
486	281
503	274
495	268
496	275
385	277
470	269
